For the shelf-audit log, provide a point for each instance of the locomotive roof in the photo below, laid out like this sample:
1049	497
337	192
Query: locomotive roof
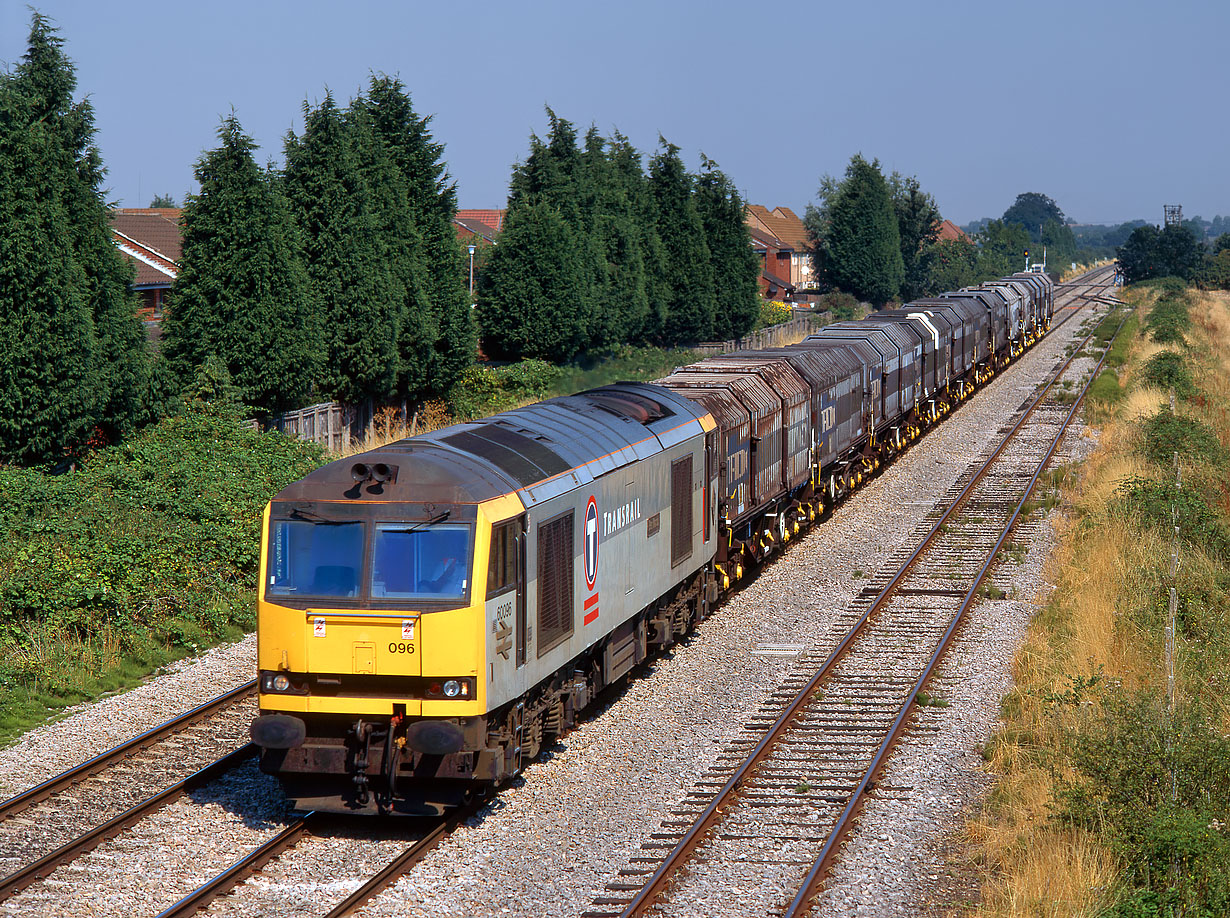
539	451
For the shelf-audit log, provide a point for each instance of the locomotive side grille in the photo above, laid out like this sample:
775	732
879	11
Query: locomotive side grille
555	557
681	510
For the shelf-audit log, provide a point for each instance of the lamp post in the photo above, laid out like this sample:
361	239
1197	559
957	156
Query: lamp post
471	248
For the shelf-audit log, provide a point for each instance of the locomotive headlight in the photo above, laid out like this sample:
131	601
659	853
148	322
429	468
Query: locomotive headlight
452	688
280	683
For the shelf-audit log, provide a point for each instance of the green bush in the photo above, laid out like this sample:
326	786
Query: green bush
1169	319
1165	433
1163	506
481	391
1157	787
1168	370
843	306
151	548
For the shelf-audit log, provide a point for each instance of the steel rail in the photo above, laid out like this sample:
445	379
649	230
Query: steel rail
15	804
41	868
811	883
403	862
657	882
244	867
232	876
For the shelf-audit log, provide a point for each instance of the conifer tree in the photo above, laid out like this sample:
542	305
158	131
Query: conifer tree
444	331
622	303
628	174
528	296
242	293
74	349
735	266
918	225
690	304
860	248
360	298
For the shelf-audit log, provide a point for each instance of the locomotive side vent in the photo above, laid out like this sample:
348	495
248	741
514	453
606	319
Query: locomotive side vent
681	510
555	564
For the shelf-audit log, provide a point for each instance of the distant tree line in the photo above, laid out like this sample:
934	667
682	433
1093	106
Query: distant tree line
1175	251
596	252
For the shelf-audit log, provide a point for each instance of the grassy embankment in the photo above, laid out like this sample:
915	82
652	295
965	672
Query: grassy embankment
146	555
1111	800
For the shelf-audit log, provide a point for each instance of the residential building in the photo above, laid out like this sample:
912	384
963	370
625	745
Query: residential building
784	225
150	237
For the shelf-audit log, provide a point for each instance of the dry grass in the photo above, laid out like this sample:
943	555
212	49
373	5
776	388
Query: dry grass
1038	868
1060	874
388	426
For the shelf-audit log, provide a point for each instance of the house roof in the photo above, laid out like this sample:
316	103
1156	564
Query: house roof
762	240
950	231
492	218
473	228
783	223
150	237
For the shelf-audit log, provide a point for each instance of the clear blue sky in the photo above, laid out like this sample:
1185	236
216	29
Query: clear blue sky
1113	109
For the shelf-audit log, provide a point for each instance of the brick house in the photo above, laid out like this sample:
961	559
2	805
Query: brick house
784	225
150	238
775	257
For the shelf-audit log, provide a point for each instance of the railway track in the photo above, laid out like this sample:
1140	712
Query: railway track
773	810
42	827
302	828
432	833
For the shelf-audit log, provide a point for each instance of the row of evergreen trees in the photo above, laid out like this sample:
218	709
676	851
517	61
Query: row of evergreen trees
595	252
877	237
74	361
338	276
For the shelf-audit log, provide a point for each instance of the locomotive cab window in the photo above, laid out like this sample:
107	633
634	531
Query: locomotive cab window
422	562
315	559
502	568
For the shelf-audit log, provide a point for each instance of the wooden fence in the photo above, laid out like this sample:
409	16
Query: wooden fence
799	327
327	424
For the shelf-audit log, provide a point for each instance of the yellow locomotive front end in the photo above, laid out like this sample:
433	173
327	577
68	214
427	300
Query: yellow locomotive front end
371	645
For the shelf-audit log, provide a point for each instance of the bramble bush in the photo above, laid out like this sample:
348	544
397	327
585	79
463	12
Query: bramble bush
1168	370
1165	434
151	547
1152	503
1157	786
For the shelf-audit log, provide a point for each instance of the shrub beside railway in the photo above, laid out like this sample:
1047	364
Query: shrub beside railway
1114	799
146	554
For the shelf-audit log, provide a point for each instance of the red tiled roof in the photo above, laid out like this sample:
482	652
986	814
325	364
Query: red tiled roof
150	237
492	218
783	223
950	231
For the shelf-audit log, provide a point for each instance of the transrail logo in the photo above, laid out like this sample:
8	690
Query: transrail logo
591	542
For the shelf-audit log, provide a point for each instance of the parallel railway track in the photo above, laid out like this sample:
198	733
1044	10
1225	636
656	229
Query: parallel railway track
792	785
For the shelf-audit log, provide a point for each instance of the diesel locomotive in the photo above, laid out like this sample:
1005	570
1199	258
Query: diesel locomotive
435	611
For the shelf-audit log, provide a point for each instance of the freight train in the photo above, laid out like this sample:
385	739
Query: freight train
435	611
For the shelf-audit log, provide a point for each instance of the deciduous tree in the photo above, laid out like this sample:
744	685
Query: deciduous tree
1033	210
